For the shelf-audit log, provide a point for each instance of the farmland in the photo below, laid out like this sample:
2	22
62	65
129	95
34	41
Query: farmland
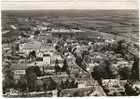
118	22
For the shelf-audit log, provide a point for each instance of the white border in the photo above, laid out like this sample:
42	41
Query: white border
50	97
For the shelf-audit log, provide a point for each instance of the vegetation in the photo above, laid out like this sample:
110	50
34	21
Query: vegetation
8	81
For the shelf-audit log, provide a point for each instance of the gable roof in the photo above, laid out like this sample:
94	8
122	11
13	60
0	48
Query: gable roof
32	45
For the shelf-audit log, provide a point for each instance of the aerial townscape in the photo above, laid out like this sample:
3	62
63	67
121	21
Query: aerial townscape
70	54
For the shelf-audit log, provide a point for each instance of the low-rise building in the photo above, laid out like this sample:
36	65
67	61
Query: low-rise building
30	46
19	70
65	33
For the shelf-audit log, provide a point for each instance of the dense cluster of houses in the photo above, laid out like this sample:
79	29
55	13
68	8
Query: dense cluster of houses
63	54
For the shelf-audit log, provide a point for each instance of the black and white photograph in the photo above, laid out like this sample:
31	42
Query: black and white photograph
70	48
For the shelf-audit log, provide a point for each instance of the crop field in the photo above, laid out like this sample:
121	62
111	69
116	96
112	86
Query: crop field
117	22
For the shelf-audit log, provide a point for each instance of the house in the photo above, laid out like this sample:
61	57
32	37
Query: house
47	47
41	27
57	57
65	33
39	61
40	54
44	36
19	71
30	46
46	59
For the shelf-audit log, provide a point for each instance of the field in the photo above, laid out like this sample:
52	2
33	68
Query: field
117	22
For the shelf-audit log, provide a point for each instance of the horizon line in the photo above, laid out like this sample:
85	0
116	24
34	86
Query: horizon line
60	9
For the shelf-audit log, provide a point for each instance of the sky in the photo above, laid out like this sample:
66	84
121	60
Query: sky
68	4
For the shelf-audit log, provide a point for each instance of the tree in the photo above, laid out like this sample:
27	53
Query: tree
57	68
108	69
135	69
22	84
37	32
17	47
49	84
81	63
120	48
49	41
31	80
32	55
34	69
97	74
65	67
124	73
8	81
8	84
31	76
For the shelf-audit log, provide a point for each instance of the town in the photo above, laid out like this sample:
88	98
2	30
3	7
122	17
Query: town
44	58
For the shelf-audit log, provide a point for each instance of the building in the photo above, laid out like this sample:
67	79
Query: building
44	36
30	46
65	33
19	71
9	36
47	58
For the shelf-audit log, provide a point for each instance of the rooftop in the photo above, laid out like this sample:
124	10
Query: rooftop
32	45
66	30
